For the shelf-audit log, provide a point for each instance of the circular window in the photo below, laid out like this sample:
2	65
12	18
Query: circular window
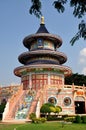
67	101
52	100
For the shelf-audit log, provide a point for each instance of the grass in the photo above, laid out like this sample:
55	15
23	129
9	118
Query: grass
45	126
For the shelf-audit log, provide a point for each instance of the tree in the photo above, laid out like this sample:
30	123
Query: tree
77	79
2	107
53	109
47	108
58	109
79	10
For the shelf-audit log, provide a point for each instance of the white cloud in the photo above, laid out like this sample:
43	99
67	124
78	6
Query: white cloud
83	52
82	58
82	61
84	71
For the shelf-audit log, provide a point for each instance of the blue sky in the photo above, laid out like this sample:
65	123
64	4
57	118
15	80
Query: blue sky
16	23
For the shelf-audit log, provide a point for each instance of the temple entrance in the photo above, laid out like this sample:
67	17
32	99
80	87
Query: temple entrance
79	107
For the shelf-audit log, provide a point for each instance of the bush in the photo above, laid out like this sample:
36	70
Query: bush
32	115
83	119
54	118
69	119
43	120
2	106
64	116
77	119
39	120
0	116
51	118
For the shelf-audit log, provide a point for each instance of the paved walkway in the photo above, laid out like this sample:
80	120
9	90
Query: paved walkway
15	121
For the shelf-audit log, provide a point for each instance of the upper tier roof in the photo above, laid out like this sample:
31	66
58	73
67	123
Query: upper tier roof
42	32
42	28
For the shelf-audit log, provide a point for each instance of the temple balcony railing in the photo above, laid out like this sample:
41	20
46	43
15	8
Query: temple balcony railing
80	90
71	87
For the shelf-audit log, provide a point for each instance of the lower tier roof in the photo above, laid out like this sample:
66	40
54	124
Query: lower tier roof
47	67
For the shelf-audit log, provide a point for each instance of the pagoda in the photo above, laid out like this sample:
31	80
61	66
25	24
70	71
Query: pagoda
42	79
42	75
42	63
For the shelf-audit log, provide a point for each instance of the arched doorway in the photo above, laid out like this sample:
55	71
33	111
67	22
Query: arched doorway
79	105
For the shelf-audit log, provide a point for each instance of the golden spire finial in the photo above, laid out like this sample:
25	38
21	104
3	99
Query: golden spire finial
42	20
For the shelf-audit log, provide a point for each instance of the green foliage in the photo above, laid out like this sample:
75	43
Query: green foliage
2	106
39	120
59	5
49	104
78	119
83	118
79	10
77	79
51	118
81	33
79	7
52	109
43	120
69	119
58	109
0	116
47	108
32	115
35	8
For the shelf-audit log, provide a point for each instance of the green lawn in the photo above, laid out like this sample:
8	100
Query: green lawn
45	126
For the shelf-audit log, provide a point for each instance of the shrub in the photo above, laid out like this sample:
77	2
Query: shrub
2	106
77	119
43	120
83	119
39	120
51	118
54	118
64	116
32	115
0	116
69	119
36	120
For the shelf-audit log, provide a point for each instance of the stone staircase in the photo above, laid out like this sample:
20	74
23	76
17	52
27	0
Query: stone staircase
24	108
13	102
21	105
34	103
